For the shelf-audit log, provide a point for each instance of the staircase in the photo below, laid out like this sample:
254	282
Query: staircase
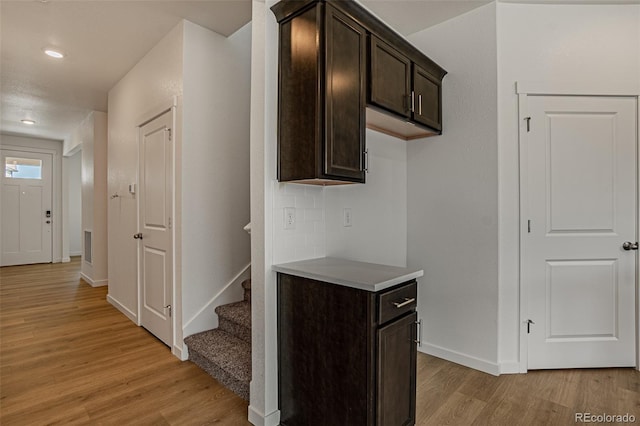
225	352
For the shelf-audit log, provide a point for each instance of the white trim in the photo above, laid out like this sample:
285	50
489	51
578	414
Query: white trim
180	352
75	253
210	304
524	89
157	110
93	283
167	106
568	88
258	418
522	209
119	306
460	358
66	259
511	367
56	191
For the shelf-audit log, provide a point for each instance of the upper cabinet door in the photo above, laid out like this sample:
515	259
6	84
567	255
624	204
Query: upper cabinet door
427	97
390	78
345	97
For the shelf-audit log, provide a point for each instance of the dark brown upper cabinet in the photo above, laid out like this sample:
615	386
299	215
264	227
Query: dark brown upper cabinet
400	87
322	98
390	78
342	70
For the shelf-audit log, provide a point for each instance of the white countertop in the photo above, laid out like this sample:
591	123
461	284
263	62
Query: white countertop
365	276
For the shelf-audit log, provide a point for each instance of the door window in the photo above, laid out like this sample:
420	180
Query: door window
22	168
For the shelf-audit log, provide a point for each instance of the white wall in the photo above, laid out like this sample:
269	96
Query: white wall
91	135
152	82
58	215
453	196
590	45
378	233
74	203
263	406
215	168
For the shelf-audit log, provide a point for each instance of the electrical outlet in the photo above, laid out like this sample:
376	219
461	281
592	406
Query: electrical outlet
346	217
289	218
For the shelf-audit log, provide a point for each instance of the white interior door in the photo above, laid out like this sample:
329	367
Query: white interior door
155	234
580	187
26	211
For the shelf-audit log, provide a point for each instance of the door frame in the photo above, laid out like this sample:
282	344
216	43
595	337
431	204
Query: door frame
523	90
56	194
176	314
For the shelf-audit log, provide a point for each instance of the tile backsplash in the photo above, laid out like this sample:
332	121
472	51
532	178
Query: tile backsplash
306	238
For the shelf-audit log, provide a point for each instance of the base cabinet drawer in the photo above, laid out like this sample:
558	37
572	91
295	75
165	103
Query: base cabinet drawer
338	364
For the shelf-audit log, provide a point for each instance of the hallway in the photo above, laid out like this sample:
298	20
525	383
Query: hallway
69	357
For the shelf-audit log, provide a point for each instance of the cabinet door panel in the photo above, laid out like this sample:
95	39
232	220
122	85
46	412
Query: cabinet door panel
427	97
390	78
396	399
299	98
345	96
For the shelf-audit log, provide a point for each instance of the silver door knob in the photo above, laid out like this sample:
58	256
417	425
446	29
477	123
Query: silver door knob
137	236
628	245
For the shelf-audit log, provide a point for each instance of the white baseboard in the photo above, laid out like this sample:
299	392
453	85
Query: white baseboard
75	253
119	306
460	358
258	418
511	367
182	353
94	283
66	259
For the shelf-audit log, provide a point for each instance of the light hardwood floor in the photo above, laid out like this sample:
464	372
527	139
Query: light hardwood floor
68	357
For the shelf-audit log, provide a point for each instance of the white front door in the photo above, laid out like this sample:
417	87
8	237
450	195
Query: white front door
155	234
26	211
580	187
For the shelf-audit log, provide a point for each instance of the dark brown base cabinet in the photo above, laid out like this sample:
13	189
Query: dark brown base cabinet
346	357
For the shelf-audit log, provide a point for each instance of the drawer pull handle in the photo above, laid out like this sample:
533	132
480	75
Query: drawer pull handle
407	301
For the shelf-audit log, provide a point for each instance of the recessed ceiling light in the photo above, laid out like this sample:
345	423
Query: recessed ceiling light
29	122
54	53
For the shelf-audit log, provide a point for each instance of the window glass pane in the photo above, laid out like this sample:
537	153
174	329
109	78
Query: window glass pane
22	168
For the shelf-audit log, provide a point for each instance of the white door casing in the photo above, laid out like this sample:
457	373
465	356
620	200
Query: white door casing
579	204
155	233
26	229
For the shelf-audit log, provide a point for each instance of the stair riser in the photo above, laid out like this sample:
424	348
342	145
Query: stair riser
235	329
238	387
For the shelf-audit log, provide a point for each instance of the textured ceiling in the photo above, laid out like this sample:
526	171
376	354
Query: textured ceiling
103	40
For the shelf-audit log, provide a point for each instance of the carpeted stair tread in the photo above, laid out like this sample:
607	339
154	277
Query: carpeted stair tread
223	356
238	312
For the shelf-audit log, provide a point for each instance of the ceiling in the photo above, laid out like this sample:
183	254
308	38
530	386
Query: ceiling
104	39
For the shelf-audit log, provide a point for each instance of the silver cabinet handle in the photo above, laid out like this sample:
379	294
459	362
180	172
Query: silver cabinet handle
419	104
418	339
628	245
406	302
413	101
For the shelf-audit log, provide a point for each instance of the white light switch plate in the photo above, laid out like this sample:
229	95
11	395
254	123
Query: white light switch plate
289	218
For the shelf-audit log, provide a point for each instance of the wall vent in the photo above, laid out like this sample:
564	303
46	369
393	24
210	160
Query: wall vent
87	246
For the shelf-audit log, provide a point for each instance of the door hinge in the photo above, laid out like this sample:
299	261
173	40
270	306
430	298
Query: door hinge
170	222
168	307
528	120
529	322
168	129
529	226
